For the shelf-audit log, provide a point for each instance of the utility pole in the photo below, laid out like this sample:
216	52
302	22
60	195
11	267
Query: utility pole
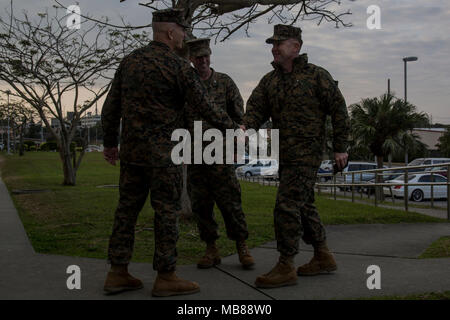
405	60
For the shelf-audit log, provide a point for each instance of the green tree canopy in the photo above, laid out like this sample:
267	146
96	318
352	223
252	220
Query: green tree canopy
381	124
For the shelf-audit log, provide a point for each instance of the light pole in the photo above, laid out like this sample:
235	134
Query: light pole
405	60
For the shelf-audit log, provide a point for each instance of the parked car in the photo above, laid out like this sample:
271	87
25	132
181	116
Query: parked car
418	193
326	165
94	148
358	177
259	167
325	177
387	175
439	170
245	158
426	161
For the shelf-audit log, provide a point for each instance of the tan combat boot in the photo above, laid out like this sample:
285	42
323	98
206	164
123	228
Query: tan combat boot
283	274
211	257
322	262
119	280
168	284
245	258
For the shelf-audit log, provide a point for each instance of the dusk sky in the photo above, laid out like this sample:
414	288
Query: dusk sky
359	58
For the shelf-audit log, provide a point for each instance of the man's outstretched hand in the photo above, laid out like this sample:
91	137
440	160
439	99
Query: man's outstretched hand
111	155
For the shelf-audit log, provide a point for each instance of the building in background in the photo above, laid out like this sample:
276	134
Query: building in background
430	137
90	120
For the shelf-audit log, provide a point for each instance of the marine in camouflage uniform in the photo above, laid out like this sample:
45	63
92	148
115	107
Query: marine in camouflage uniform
216	183
298	101
149	92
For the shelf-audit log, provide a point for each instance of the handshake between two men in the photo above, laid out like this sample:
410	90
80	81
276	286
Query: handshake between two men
296	96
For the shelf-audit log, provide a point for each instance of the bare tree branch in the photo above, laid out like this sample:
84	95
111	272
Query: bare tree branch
45	62
220	19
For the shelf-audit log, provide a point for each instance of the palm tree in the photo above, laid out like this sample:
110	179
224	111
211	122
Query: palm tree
380	124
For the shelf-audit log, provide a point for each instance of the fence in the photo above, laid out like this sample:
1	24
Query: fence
357	186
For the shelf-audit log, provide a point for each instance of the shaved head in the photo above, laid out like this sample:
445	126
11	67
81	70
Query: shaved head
163	27
169	33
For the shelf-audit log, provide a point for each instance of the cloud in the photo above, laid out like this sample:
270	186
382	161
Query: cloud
361	59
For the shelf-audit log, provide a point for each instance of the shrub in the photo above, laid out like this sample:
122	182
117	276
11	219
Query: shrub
49	146
28	144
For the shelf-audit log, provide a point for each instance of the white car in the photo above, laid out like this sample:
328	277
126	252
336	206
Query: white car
426	161
94	148
259	167
418	193
327	165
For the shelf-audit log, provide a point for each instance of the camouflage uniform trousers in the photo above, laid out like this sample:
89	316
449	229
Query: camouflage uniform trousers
216	183
295	215
164	185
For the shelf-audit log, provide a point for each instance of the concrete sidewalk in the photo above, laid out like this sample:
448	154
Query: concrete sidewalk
394	248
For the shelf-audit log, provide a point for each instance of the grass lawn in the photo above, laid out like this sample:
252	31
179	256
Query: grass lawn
438	249
77	221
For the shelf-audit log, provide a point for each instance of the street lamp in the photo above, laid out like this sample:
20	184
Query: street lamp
405	60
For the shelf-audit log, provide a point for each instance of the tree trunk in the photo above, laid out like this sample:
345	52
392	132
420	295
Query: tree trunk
68	168
379	179
22	130
406	156
186	207
13	139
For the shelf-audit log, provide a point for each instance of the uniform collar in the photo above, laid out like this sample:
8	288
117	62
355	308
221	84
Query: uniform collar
212	78
160	45
299	63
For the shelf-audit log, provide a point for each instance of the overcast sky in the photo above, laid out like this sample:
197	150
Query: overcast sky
360	59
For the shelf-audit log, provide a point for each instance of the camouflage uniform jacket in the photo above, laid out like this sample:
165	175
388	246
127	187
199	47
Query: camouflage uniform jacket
149	92
298	103
225	94
222	89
